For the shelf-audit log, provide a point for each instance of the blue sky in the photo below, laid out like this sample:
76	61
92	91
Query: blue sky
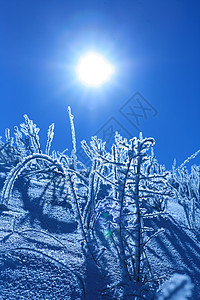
154	46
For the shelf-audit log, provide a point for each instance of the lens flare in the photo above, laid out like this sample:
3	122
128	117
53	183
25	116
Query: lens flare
107	233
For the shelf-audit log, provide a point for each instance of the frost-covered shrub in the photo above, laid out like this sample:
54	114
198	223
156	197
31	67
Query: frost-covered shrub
116	207
113	202
156	201
8	153
26	155
187	187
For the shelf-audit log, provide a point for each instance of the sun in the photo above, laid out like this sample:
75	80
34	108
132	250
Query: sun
94	70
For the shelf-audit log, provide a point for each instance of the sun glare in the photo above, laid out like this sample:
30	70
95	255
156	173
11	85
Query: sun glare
94	70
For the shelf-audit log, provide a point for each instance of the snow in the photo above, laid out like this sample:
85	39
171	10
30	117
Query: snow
26	274
44	243
177	287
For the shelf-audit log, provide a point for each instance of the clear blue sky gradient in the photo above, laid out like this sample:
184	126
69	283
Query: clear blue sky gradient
154	46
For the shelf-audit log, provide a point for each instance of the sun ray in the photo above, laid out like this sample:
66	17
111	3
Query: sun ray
94	70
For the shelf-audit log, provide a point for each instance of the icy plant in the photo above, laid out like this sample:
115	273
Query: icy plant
31	135
178	287
27	154
157	201
114	203
117	207
8	153
16	171
111	201
187	186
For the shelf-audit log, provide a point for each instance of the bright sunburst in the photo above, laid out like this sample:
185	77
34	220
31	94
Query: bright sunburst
94	70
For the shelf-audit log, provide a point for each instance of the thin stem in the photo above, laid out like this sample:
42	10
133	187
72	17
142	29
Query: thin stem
80	218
